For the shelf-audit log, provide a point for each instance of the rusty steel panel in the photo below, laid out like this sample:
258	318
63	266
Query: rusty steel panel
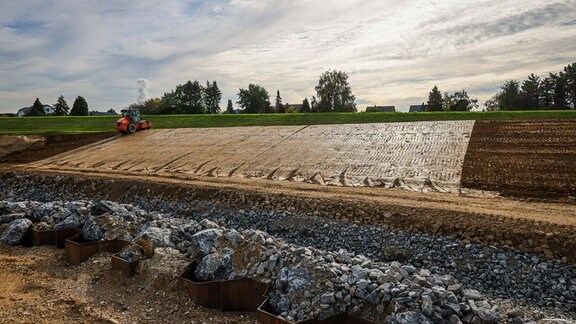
78	250
128	268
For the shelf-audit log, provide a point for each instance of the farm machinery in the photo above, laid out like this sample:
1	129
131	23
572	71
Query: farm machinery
132	121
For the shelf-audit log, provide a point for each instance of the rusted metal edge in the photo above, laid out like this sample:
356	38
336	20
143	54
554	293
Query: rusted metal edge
78	250
242	295
128	268
36	237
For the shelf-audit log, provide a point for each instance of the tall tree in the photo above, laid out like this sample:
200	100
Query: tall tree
570	75
37	109
254	100
462	102
493	104
560	89
546	92
334	93
190	98
278	102
435	101
510	96
305	106
229	107
61	107
313	104
213	95
530	93
80	107
169	103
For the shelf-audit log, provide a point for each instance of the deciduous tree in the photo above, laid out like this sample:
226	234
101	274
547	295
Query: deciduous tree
254	100
334	93
305	106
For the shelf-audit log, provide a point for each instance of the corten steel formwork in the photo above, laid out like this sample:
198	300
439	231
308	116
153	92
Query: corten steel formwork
78	250
128	268
243	295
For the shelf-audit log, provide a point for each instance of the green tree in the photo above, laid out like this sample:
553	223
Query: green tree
61	107
229	107
546	92
462	102
169	103
278	102
435	101
189	98
313	105
530	93
334	93
305	106
254	100
37	109
80	107
213	95
493	104
570	75
560	89
510	96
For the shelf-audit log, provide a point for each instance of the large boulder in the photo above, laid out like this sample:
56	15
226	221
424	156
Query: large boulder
293	279
215	266
70	222
105	206
206	239
92	229
16	231
160	237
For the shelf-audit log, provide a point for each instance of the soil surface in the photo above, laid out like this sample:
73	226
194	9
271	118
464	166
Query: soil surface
43	288
39	286
53	145
523	158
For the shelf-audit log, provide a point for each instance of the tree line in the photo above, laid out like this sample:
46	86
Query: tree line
61	108
333	91
556	91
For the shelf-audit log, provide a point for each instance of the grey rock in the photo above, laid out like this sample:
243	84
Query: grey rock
205	240
92	230
16	230
105	206
293	279
215	266
409	317
161	237
68	223
472	294
328	298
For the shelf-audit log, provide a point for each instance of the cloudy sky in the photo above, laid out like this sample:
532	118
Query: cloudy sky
394	51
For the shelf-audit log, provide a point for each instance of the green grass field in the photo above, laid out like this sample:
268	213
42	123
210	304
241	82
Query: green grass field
69	124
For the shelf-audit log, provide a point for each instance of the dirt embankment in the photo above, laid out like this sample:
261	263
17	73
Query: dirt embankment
530	159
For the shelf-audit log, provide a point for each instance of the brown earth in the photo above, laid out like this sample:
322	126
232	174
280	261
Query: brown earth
531	159
545	228
39	286
54	144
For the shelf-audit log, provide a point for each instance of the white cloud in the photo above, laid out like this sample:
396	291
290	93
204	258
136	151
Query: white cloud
393	51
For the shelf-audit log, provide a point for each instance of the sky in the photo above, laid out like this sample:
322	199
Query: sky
394	51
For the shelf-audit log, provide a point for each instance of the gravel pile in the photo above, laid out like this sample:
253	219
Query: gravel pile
523	285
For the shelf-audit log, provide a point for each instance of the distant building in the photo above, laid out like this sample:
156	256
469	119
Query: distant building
381	109
110	112
48	110
417	108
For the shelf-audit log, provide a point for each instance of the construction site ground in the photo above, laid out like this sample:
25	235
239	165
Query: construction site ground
530	164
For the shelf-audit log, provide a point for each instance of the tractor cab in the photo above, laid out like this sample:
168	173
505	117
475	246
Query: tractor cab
133	114
132	121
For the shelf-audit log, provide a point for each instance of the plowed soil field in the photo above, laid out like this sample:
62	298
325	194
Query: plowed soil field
524	159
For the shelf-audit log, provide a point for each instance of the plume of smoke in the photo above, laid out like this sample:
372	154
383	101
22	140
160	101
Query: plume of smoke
143	94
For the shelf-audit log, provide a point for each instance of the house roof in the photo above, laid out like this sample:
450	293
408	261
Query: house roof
417	108
386	108
25	110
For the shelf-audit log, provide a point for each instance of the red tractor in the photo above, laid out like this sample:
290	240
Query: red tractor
132	121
